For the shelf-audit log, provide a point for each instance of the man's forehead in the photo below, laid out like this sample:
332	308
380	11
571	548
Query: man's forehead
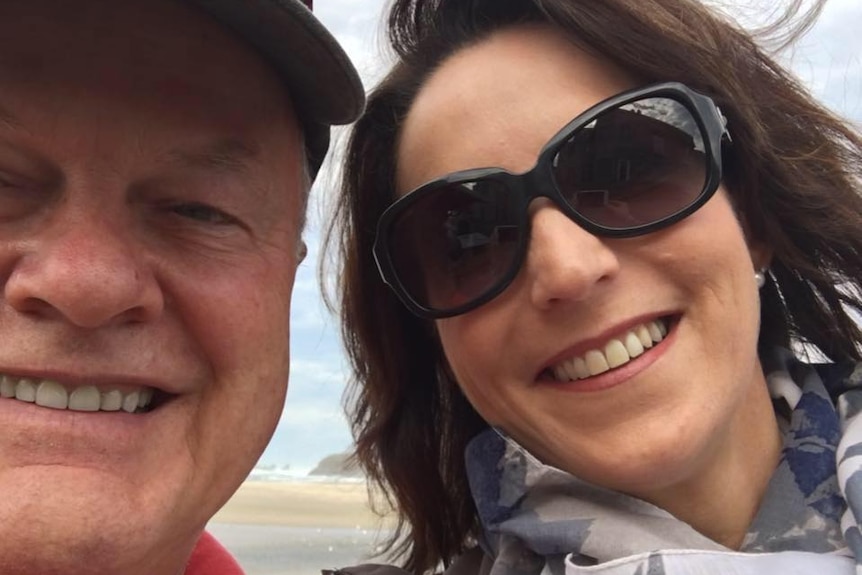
283	35
197	88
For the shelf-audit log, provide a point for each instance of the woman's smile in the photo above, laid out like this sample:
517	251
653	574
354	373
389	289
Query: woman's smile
606	356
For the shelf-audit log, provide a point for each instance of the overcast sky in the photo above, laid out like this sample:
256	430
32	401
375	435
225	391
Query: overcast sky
827	59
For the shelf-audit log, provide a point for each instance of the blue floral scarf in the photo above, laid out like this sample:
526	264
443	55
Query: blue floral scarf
538	520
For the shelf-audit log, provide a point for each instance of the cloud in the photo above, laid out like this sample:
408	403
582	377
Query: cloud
327	371
312	424
829	58
356	24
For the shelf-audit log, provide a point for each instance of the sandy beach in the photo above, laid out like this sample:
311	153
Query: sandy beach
297	527
300	504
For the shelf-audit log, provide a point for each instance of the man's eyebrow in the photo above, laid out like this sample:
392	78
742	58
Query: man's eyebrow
228	155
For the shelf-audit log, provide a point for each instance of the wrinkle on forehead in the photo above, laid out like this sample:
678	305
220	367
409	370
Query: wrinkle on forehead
229	155
8	120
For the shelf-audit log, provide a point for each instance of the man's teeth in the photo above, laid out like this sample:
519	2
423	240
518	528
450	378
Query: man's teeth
47	393
615	353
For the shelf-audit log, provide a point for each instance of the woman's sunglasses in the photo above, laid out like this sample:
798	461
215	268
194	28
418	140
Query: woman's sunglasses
630	165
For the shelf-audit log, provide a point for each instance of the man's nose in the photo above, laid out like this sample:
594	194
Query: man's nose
564	261
89	272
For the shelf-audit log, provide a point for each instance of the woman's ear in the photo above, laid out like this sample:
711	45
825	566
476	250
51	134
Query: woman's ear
758	249
761	254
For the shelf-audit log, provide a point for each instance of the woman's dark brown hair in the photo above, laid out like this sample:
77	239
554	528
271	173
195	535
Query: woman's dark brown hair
793	172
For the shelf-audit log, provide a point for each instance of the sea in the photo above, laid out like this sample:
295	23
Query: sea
281	550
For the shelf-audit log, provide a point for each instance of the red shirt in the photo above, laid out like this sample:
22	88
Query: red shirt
210	558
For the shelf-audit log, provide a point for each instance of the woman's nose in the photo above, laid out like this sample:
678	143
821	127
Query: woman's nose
88	272
565	262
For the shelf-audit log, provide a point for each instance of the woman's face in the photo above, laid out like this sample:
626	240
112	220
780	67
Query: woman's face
655	422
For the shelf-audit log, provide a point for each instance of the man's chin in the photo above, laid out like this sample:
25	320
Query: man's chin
68	520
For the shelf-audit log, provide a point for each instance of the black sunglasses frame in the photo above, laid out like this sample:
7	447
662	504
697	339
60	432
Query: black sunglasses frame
539	182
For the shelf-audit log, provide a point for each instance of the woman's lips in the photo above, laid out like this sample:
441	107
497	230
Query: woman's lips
615	353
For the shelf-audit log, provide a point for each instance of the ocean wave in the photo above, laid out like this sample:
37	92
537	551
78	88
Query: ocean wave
298	476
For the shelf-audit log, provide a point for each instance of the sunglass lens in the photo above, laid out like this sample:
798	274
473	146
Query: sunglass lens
455	242
634	165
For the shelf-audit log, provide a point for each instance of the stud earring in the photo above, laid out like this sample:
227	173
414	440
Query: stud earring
760	277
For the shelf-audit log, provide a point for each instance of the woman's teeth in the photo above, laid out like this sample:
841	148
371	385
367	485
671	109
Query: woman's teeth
47	393
615	353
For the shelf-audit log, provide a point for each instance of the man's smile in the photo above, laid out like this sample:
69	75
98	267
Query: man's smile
49	393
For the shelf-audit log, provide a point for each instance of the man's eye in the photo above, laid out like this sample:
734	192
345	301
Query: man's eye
203	213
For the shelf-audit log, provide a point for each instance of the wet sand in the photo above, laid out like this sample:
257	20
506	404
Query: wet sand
294	528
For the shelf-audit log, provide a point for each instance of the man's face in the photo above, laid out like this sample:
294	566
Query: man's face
150	186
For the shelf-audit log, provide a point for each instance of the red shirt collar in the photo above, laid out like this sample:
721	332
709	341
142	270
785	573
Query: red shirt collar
211	558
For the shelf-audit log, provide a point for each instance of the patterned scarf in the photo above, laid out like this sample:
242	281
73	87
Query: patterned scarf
538	520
